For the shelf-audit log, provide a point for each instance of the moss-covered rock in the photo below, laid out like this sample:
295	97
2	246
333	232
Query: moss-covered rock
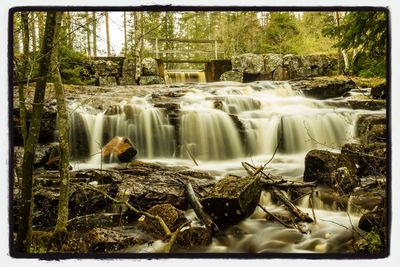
232	198
172	217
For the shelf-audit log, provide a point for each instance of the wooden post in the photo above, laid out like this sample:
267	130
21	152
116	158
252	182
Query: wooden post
108	35
216	49
157	48
125	36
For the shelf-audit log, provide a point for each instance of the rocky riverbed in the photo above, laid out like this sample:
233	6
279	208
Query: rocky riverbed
350	177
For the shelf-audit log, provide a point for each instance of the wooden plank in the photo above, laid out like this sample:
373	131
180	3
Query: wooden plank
184	61
182	52
199	41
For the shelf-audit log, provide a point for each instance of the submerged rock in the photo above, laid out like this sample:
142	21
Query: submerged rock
120	147
232	199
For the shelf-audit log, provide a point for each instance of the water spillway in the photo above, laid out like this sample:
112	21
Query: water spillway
185	76
216	121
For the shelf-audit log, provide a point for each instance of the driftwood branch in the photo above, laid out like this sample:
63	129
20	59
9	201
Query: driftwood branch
170	245
199	210
284	184
128	205
274	217
291	207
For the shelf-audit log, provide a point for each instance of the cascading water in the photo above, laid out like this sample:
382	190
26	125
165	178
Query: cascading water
211	134
185	76
220	125
219	122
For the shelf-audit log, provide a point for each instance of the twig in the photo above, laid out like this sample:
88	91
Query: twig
274	217
199	210
149	215
190	154
170	245
311	200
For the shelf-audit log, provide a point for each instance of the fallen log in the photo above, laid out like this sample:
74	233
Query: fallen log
285	184
302	216
199	210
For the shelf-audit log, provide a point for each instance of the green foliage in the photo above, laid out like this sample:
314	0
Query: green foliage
364	35
372	242
75	67
280	34
311	39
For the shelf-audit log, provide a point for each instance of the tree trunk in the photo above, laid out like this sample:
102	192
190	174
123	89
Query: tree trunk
40	16
340	68
16	35
33	32
94	31
89	50
125	36
23	74
63	128
108	34
24	236
137	46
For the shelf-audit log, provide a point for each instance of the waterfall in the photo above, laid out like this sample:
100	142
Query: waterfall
215	121
210	134
145	125
185	76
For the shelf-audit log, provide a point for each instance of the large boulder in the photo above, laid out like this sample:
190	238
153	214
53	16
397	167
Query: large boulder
372	128
128	72
232	75
291	65
149	67
107	81
248	63
272	62
120	148
323	87
148	80
379	91
370	158
232	199
322	165
106	67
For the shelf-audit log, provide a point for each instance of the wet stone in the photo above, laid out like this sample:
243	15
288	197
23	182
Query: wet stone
232	199
172	217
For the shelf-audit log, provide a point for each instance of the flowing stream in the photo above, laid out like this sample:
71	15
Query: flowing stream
221	124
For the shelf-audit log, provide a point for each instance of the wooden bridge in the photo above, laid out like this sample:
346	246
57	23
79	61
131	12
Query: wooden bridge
213	52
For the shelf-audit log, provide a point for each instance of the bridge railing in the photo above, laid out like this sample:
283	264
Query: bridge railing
214	53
